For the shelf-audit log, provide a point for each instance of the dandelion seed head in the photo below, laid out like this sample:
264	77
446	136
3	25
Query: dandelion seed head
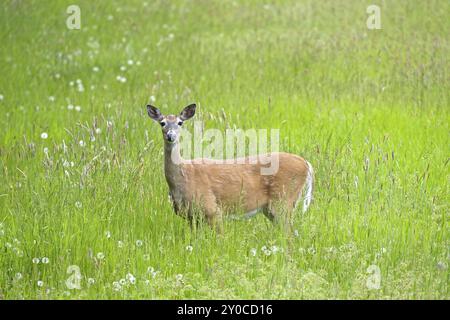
100	256
117	286
131	279
45	260
44	135
35	260
441	265
40	283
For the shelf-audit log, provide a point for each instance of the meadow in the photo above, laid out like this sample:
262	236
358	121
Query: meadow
84	208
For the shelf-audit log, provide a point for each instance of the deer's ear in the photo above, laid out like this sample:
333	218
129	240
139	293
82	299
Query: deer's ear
154	113
188	112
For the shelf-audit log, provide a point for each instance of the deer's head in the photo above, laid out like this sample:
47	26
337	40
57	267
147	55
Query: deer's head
171	124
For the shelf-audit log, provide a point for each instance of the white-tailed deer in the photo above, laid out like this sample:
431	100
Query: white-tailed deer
218	188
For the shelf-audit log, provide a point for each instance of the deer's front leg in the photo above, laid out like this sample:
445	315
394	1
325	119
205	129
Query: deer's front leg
177	204
213	214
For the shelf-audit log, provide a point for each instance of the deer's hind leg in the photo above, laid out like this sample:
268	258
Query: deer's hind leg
269	212
280	212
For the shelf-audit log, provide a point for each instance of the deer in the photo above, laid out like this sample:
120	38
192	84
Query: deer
216	189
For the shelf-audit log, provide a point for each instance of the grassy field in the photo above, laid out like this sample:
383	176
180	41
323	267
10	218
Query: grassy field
82	182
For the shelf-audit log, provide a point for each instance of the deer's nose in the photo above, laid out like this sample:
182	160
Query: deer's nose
171	136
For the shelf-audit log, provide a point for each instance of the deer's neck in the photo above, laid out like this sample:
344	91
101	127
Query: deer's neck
173	165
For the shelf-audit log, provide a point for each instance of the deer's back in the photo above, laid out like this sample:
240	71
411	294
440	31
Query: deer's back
243	184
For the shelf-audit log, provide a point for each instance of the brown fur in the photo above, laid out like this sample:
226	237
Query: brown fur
218	188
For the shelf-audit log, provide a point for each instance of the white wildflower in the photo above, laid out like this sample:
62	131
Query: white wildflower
131	279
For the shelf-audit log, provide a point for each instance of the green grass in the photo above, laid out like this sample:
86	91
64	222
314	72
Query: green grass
368	108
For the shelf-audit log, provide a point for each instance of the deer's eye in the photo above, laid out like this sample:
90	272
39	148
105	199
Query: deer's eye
162	123
180	123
